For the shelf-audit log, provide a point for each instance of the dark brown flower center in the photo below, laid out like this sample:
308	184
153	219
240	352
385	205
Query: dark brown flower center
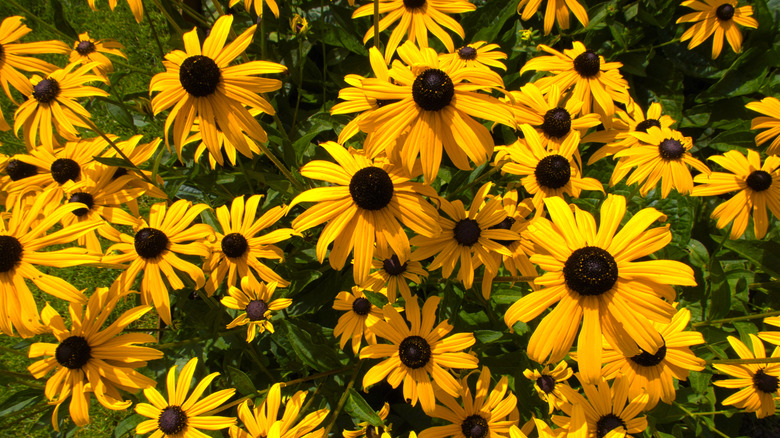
644	124
10	253
73	353
505	224
671	149
382	102
764	382
150	242
46	90
361	306
371	188
393	266
414	4
433	90
607	423
84	198
120	172
256	309
646	359
172	420
467	232
199	75
590	271
724	12
85	48
546	383
374	432
64	170
234	245
587	64
557	122
474	426
19	170
759	180
414	352
553	171
467	53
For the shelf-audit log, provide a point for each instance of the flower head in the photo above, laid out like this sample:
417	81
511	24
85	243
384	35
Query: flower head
556	9
255	300
479	55
547	383
719	17
87	50
353	324
262	421
770	107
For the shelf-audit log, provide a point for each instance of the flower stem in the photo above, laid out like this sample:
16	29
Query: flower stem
511	279
738	318
343	399
694	417
377	41
759	360
170	19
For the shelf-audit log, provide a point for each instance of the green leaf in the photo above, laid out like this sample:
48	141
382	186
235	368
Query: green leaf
698	254
719	292
487	336
114	161
20	400
127	426
700	381
120	115
241	381
357	407
310	345
764	254
60	22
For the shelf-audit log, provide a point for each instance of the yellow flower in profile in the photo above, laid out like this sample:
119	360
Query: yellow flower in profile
479	55
255	300
488	413
595	278
23	234
662	155
153	251
556	9
262	421
87	50
393	276
299	25
237	253
416	18
369	431
773	337
257	5
418	354
758	381
136	6
90	361
229	149
770	107
596	83
200	84
12	58
353	324
182	416
757	187
52	103
363	205
719	17
547	383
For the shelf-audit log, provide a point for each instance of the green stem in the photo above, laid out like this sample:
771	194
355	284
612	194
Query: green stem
343	399
377	41
38	20
168	17
738	318
195	15
476	181
13	351
320	375
279	165
22	376
301	62
256	358
511	279
693	416
760	360
156	38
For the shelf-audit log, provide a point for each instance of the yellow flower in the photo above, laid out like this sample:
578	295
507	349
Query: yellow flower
299	25
770	107
353	324
547	383
87	50
369	431
263	421
254	299
392	276
555	9
258	6
479	55
719	17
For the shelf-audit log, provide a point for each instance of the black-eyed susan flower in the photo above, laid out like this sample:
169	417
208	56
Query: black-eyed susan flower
257	5
88	50
418	354
299	25
653	373
479	55
596	83
758	382
429	108
353	324
719	17
555	9
393	276
546	172
592	276
238	248
604	411
89	360
249	149
51	105
757	187
255	301
12	57
182	416
468	237
662	154
547	383
773	337
363	207
770	107
542	429
618	137
488	413
263	420
200	84
23	233
138	153
416	18
136	6
154	248
367	430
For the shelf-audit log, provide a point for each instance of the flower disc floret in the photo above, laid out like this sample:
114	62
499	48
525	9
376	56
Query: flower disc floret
671	149
590	271
607	423
234	245
546	383
759	180
256	309
467	53
371	188
19	170
414	352
553	171
474	426
46	90
467	232
84	198
644	124
646	359
393	266
414	4
557	122
725	12
764	382
73	353
433	90
85	47
64	170
587	64
361	306
10	253
172	420
199	75
150	242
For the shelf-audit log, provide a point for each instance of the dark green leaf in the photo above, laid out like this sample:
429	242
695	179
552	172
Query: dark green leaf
764	254
357	407
241	381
